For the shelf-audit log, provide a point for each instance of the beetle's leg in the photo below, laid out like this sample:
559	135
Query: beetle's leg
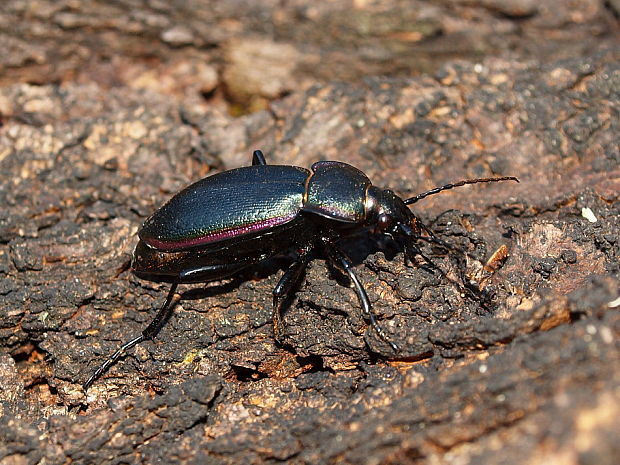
284	287
411	250
211	272
149	332
434	239
258	158
339	259
162	315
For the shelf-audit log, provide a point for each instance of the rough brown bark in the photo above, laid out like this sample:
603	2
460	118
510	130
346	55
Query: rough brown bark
532	376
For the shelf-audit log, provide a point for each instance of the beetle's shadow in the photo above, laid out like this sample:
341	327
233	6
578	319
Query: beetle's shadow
357	247
205	290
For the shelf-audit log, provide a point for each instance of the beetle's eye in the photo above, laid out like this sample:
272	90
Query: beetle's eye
384	222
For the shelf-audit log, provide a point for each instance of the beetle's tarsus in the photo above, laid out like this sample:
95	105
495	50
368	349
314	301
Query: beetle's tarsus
277	321
112	360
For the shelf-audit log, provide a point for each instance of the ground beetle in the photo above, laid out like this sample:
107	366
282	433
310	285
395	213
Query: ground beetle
234	219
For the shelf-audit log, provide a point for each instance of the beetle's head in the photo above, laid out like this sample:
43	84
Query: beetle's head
388	214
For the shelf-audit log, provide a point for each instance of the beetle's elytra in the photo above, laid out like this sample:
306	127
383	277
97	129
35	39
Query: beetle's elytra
234	219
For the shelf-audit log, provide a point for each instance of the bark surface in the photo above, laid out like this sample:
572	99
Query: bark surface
104	116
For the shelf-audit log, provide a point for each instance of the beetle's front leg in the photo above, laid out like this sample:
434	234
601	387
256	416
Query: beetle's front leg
340	260
285	286
411	250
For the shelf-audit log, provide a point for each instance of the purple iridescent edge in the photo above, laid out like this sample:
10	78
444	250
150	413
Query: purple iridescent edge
217	236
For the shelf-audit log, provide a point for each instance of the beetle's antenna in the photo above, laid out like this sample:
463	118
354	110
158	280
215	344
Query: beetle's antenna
436	190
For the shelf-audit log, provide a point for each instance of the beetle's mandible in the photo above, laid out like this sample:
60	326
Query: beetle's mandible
224	223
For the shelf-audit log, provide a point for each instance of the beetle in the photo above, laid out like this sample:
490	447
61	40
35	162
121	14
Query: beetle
232	220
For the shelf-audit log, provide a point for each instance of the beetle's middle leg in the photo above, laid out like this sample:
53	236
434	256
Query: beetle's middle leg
339	259
285	286
258	158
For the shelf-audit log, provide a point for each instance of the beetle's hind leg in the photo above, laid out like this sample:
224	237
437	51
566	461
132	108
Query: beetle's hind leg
148	333
339	259
285	286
